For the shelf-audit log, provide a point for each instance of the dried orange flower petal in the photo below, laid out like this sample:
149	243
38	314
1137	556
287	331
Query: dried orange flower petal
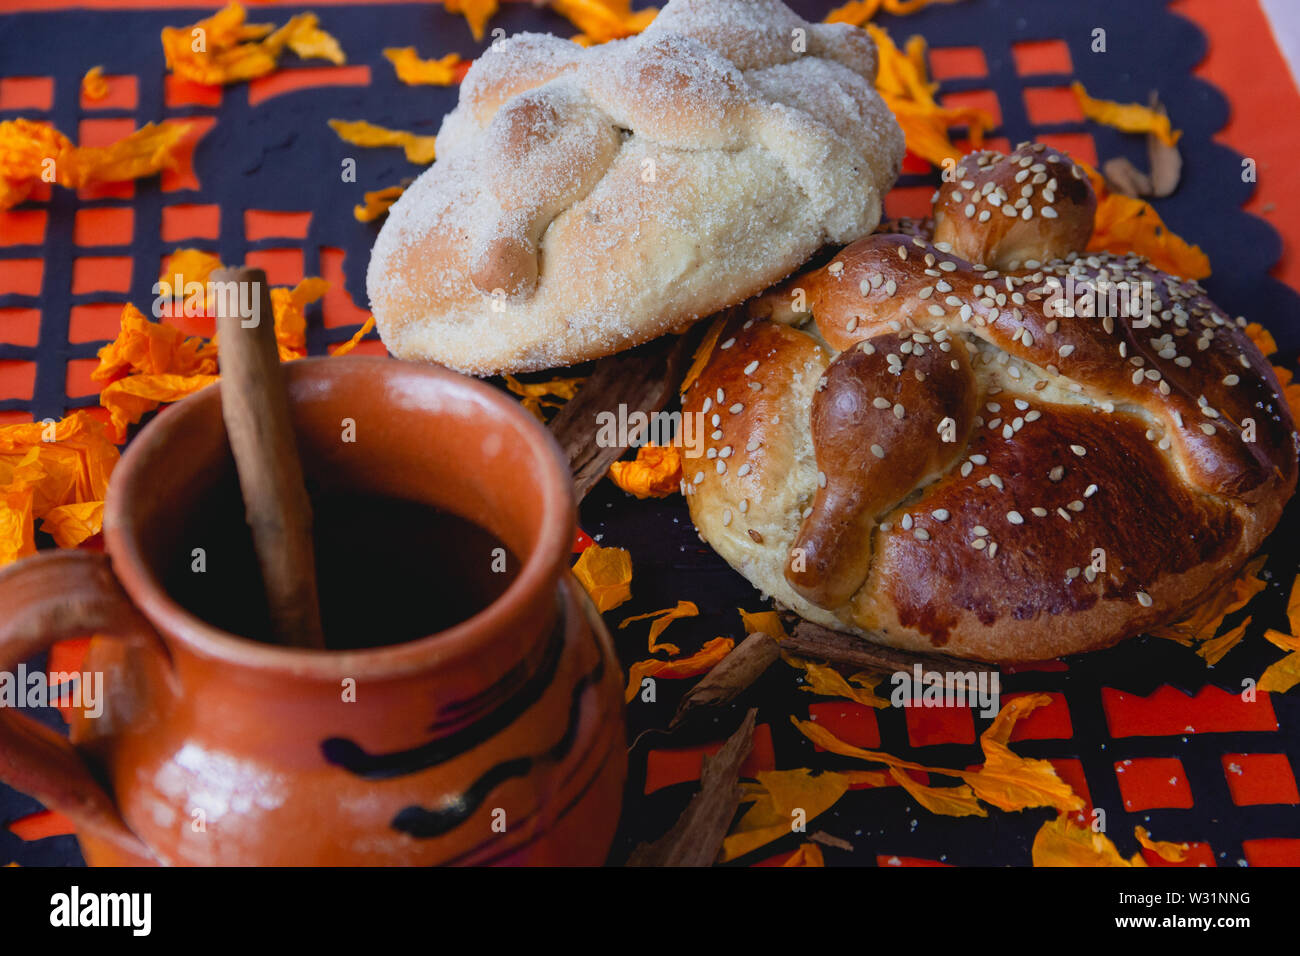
1206	619
224	49
421	150
1011	782
1216	649
130	399
826	681
702	352
414	71
357	336
377	203
1128	117
858	12
1170	852
55	471
655	473
765	622
808	854
904	84
1061	842
662	620
32	152
603	20
1125	225
73	523
782	798
477	13
538	395
1262	338
702	661
606	574
17	530
93	84
192	265
143	346
956	801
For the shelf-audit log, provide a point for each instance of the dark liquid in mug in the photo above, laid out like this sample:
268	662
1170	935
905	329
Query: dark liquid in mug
387	570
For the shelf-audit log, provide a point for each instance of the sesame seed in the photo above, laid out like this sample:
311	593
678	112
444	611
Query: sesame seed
752	367
835	268
726	517
821	479
744	505
1207	428
877	451
727	344
851	325
906	522
1056	474
744	470
1079	450
1076	505
699	476
921	534
1039	512
1015	517
752	445
722	467
1048	212
880	402
979	544
1143	598
898	412
1090	491
736	409
940	514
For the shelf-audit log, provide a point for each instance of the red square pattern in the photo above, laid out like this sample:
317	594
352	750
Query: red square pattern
1260	778
1150	783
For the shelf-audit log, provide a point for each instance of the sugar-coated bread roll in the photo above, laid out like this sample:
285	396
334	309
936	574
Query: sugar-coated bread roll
988	442
587	200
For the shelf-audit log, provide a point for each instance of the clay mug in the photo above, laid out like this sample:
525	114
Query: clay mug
497	741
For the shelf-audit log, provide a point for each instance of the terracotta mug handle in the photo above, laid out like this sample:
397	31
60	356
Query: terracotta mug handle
47	598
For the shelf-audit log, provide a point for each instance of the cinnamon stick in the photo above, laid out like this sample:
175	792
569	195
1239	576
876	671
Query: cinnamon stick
731	675
255	408
835	647
696	838
643	379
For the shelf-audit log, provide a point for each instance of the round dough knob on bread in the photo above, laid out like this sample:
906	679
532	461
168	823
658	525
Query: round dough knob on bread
588	200
941	451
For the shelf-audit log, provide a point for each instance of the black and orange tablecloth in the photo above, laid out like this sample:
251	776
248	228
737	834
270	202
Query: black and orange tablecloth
1146	732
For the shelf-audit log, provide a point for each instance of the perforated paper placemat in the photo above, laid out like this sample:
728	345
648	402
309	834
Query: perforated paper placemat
1144	731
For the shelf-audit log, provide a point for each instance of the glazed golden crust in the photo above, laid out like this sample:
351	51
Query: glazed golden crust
1115	467
588	200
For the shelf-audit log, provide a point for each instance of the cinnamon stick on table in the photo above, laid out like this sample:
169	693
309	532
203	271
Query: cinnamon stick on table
255	406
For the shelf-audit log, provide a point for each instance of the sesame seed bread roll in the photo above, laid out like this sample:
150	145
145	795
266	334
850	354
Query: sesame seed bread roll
950	449
588	200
